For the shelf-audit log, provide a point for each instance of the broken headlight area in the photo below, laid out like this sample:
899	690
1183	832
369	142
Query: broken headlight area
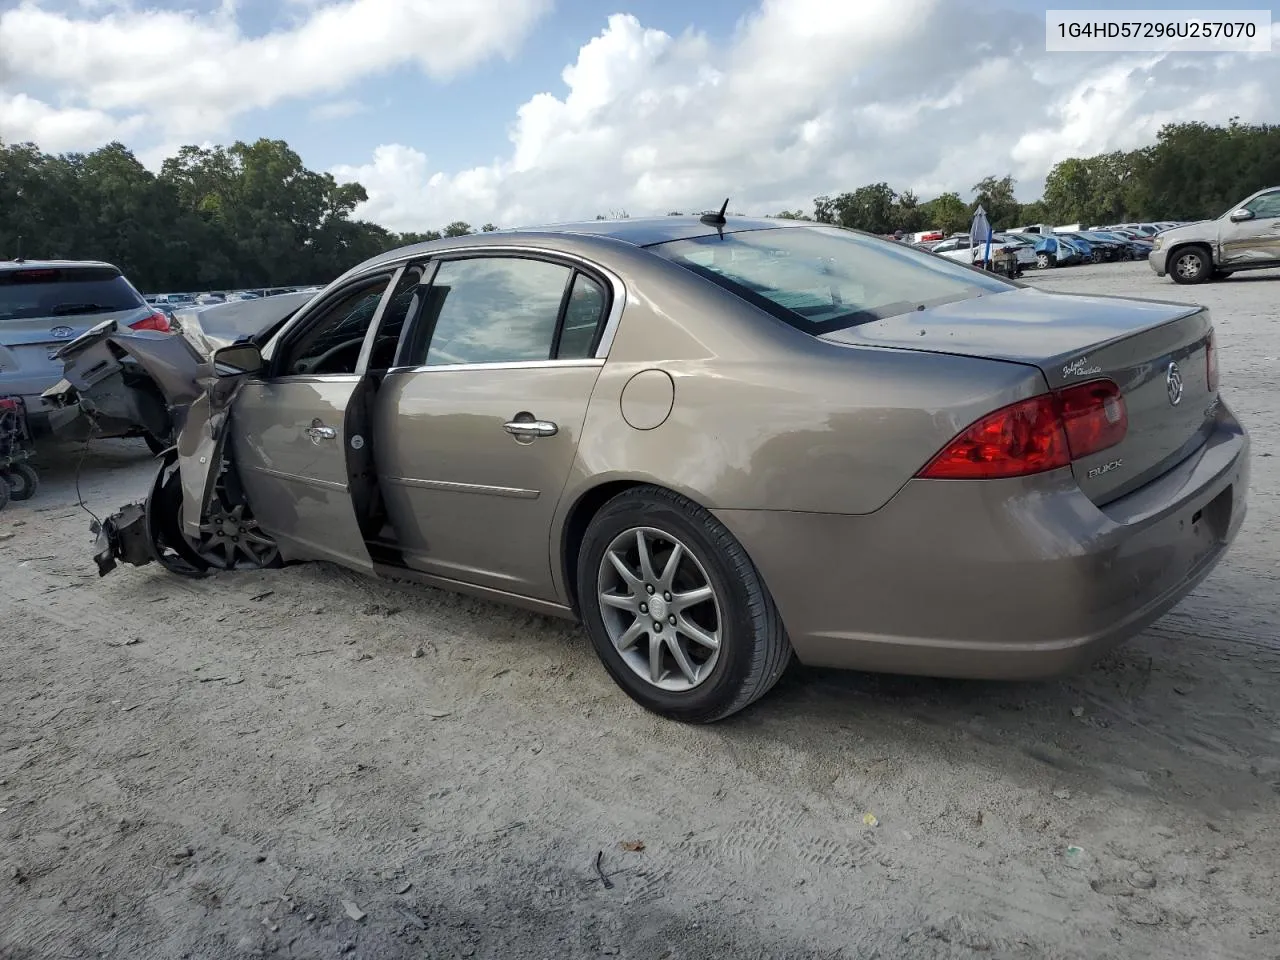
122	536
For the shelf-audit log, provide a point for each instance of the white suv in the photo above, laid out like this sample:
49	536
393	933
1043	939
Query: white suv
1246	237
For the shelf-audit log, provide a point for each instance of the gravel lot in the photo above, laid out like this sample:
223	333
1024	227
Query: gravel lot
304	763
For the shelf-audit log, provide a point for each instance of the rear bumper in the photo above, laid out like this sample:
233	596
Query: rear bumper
1016	579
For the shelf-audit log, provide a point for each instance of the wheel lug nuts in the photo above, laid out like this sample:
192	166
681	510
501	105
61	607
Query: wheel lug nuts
666	596
671	620
657	627
649	587
644	608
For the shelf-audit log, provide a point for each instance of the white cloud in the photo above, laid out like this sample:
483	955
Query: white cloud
24	118
810	97
190	73
337	109
805	97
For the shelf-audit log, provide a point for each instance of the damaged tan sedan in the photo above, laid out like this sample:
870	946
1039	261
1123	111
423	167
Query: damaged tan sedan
718	443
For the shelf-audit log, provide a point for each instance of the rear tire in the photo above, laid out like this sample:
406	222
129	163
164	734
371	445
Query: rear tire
714	593
23	481
1043	261
1191	265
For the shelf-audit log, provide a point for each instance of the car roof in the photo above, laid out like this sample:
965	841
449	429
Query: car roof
11	265
636	232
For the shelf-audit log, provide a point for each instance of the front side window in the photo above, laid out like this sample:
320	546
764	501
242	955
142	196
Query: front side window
403	302
1267	205
824	278
331	344
493	310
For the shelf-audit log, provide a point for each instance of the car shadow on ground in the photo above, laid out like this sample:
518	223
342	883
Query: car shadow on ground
1136	721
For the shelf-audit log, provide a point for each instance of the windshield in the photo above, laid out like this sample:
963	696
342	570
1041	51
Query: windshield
64	292
825	278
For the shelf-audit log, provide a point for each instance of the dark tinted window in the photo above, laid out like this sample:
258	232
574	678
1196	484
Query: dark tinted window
825	278
331	344
64	292
582	316
493	310
398	309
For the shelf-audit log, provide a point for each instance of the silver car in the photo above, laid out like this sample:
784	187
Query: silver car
1246	237
717	443
44	304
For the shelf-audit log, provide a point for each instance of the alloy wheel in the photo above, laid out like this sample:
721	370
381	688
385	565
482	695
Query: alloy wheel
1189	266
230	538
659	608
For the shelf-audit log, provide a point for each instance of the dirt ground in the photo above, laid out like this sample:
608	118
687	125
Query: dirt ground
305	763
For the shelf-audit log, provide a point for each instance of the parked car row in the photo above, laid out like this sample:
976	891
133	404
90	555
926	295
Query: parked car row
221	296
1044	251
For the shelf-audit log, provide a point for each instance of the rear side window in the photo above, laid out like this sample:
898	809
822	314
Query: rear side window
582	315
824	278
65	292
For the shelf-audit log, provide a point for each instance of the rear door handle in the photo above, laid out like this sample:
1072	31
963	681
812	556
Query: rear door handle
531	428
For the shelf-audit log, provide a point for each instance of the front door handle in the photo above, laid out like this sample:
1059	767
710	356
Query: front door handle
531	428
318	431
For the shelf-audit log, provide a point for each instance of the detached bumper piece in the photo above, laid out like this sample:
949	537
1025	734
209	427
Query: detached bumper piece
122	536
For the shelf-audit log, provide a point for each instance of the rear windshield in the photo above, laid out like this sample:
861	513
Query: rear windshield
824	278
64	292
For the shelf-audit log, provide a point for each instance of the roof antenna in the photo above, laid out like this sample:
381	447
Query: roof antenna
716	219
18	258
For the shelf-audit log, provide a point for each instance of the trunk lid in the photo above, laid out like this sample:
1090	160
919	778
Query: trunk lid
1156	352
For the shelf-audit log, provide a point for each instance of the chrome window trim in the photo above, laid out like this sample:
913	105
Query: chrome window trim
618	288
499	365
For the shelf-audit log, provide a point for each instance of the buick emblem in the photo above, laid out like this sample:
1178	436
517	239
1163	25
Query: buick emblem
61	333
1173	383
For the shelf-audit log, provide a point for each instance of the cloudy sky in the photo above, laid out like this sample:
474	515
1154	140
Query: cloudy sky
519	111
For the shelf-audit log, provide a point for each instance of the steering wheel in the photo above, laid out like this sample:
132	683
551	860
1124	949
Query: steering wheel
324	358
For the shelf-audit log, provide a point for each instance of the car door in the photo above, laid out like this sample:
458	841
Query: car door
477	427
1255	238
299	434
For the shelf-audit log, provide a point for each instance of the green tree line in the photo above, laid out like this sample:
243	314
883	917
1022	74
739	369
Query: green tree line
1193	171
247	215
251	215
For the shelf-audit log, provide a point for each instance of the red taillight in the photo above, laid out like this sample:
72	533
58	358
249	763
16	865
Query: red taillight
1094	415
1035	435
152	321
1025	437
1211	362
